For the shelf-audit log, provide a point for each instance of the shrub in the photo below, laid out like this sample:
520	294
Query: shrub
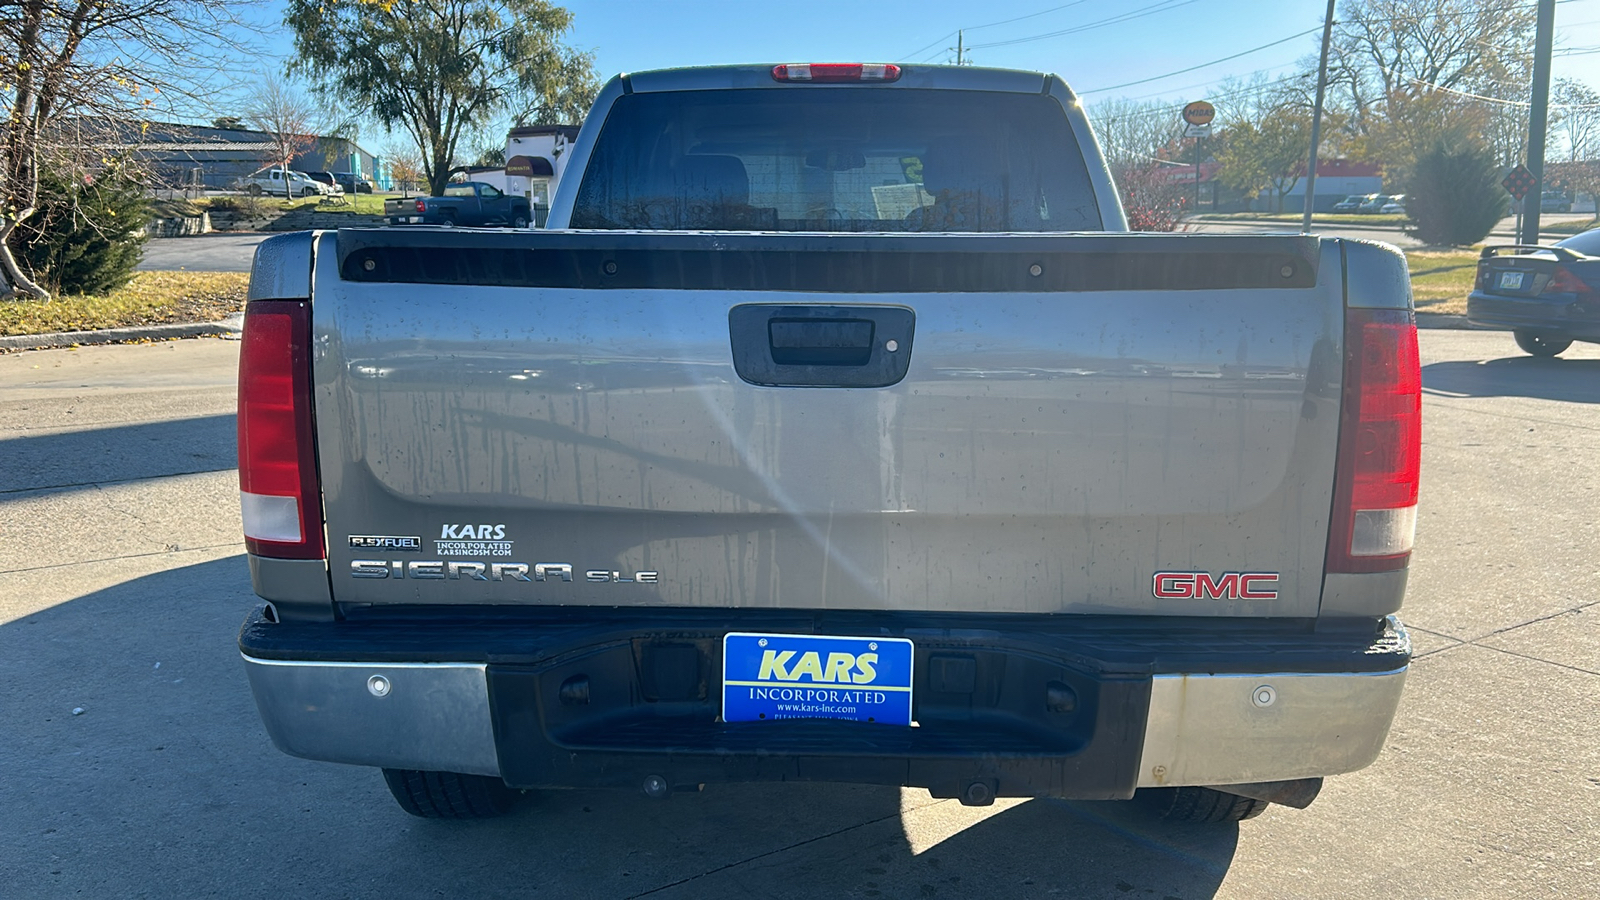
1454	197
245	205
1150	199
87	234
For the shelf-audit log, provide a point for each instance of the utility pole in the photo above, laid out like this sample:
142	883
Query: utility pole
1544	37
961	38
1316	121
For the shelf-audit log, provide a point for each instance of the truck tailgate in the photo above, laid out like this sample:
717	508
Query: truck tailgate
557	418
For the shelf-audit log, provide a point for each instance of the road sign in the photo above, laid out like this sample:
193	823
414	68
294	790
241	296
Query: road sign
1197	131
1518	182
1199	113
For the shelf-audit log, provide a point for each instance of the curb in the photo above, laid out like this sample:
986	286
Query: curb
232	325
1397	229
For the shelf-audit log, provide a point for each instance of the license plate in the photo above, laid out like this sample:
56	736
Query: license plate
1511	281
807	676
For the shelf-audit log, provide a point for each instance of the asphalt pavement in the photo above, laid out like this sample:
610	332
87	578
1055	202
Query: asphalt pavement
132	761
215	252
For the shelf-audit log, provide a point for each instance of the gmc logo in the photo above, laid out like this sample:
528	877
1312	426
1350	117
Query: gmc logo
1228	586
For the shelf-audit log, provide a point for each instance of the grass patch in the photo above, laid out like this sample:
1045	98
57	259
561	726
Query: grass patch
356	204
1441	279
151	298
1567	229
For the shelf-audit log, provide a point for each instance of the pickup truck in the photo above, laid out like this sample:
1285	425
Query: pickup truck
279	183
838	431
463	203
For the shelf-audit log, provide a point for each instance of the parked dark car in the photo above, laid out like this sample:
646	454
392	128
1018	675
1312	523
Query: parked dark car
1549	296
1374	203
463	203
352	183
1352	202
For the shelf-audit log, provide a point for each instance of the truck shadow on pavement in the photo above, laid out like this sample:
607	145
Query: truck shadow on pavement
165	783
1566	380
118	453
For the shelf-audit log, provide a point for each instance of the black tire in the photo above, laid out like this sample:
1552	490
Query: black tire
449	795
1198	804
519	220
1535	344
448	218
254	190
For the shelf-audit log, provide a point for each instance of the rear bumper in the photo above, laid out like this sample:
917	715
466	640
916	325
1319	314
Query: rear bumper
554	702
1545	316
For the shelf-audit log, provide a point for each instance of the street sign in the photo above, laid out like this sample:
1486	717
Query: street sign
1199	113
1518	182
1197	131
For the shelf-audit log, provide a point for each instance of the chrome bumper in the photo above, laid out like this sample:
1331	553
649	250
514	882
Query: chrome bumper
1201	729
1235	729
428	716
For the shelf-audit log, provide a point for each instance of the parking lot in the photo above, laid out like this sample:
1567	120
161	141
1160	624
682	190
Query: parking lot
132	761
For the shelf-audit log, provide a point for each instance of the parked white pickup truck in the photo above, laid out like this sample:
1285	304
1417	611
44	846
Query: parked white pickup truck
837	431
279	183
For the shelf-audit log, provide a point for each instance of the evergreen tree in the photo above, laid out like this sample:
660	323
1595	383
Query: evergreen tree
88	233
1455	198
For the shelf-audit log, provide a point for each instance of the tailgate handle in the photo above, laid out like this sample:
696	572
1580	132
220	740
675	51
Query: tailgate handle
821	346
820	342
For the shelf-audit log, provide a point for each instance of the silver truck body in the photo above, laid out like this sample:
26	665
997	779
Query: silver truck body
552	447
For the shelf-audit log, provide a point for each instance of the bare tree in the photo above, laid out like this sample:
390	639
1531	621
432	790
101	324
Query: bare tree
78	76
1577	109
1133	133
1407	73
404	163
289	119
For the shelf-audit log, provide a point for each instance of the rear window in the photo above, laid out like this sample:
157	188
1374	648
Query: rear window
837	159
1587	243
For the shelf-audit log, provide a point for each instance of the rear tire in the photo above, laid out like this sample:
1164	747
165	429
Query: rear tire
449	795
1535	344
254	190
519	221
1199	804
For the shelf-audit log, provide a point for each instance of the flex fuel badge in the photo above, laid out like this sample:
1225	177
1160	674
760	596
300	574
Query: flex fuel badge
403	543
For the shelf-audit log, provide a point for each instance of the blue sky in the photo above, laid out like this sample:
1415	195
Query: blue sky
1153	38
1145	38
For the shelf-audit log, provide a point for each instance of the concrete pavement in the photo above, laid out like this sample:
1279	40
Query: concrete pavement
122	583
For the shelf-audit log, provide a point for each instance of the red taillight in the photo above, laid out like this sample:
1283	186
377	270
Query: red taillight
422	206
1564	282
835	72
1380	444
277	461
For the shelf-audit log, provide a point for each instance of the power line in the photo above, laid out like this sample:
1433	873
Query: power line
1202	65
1158	7
991	25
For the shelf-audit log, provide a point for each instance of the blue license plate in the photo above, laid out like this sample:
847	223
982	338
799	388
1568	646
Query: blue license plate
807	676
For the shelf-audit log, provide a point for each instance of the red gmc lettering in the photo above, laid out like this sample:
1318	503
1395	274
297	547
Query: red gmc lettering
1227	586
